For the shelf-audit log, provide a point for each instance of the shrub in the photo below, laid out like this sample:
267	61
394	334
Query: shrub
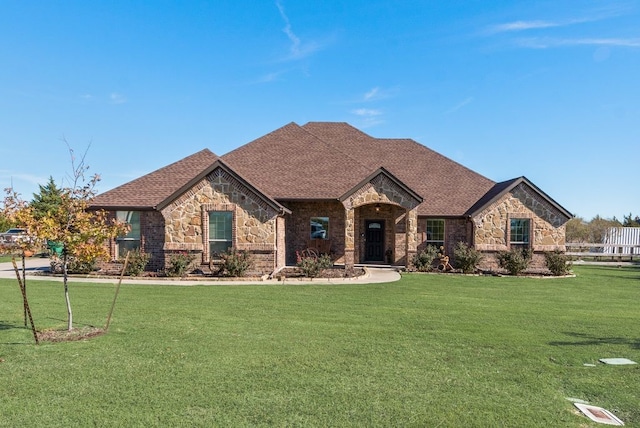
136	263
557	262
80	265
423	261
467	258
515	261
235	263
311	266
179	263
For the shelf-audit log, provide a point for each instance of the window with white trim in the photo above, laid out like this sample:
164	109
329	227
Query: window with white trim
220	232
130	241
435	232
520	229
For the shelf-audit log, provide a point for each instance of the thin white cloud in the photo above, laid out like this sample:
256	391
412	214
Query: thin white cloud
548	42
374	94
298	49
366	112
117	98
610	11
371	94
460	105
368	117
521	25
295	40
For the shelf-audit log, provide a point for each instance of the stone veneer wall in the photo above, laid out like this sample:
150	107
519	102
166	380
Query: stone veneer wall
397	208
492	226
254	221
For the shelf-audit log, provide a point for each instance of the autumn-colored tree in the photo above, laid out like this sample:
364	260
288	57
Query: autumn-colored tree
83	233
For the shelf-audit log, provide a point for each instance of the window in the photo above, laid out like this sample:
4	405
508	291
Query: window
435	232
130	241
319	227
220	233
519	232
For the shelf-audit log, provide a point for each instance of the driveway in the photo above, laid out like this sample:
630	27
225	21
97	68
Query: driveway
35	266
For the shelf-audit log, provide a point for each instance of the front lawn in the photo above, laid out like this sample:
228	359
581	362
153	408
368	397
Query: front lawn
429	350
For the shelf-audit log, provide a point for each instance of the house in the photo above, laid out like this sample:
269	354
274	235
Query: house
331	187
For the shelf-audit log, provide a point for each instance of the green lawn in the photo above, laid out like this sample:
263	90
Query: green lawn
430	350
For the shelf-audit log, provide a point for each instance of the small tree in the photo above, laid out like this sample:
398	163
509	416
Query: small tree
82	232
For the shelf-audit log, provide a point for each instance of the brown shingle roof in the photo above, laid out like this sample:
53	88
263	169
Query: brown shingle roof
320	160
324	160
291	163
153	189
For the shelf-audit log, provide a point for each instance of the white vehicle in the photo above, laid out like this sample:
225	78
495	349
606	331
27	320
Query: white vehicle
13	235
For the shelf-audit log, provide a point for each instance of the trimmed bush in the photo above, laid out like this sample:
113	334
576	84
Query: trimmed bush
136	263
311	266
515	261
423	261
235	263
179	263
467	258
79	265
557	262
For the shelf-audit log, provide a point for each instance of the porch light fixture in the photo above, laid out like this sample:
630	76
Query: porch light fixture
377	207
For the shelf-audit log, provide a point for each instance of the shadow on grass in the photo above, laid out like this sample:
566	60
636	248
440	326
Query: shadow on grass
587	340
12	326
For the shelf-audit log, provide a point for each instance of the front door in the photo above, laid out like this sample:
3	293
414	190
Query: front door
374	241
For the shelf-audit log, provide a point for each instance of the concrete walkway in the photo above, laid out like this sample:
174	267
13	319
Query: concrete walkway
36	266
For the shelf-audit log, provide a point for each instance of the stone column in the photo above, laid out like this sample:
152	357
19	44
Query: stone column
412	235
349	238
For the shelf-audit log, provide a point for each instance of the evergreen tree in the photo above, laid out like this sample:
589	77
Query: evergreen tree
47	201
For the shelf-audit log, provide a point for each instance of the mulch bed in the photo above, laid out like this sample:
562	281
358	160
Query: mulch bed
81	333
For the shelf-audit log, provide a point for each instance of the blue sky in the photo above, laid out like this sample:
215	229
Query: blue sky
545	89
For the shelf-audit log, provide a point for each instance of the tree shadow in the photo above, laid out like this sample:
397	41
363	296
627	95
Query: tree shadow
5	325
583	339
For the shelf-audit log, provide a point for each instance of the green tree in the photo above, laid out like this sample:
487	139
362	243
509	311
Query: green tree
630	221
5	223
577	230
47	200
598	228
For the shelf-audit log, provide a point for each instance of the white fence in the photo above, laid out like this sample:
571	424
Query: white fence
618	242
622	240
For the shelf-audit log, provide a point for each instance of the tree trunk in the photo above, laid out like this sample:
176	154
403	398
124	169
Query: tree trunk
66	291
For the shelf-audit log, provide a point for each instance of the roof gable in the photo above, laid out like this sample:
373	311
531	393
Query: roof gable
159	188
151	190
385	187
501	189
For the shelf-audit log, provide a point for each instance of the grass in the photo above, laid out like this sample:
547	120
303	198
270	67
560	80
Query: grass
430	350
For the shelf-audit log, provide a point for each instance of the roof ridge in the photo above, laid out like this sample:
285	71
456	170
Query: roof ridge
336	147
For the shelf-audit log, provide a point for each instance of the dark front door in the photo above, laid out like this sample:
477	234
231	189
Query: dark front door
374	241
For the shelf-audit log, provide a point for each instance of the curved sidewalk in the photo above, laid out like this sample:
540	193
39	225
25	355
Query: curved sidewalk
33	266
